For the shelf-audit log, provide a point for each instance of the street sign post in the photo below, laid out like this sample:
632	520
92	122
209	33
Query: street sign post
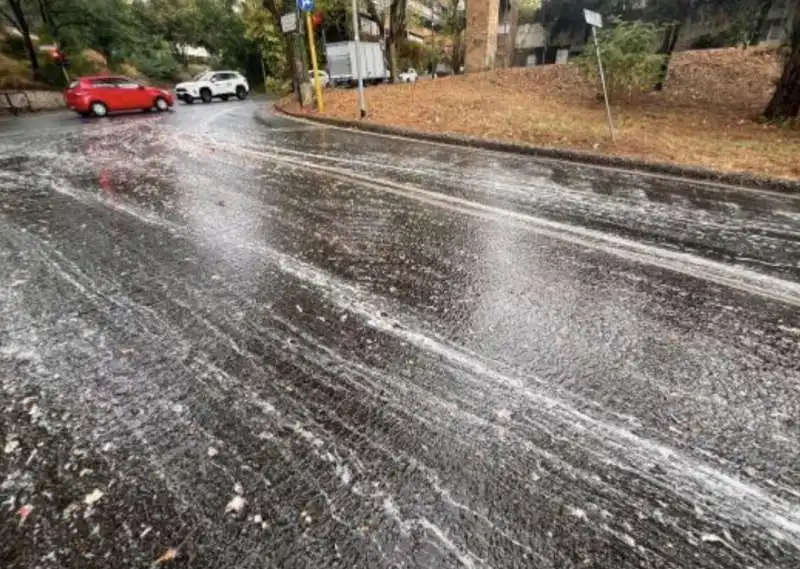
362	104
595	21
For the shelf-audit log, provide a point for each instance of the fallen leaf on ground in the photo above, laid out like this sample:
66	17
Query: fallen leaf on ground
723	90
169	555
23	512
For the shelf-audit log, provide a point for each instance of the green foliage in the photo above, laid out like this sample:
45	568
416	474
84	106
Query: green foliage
14	46
157	61
418	56
279	86
14	74
260	28
529	11
631	65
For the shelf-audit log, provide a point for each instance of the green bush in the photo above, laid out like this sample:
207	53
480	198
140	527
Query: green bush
14	74
158	63
14	46
278	86
80	65
629	60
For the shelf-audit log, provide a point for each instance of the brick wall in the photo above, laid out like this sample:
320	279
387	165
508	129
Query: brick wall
481	34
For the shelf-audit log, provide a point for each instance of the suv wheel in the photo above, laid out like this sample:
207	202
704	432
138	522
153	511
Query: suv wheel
241	93
205	94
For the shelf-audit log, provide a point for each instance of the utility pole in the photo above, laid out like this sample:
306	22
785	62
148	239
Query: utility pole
312	48
362	104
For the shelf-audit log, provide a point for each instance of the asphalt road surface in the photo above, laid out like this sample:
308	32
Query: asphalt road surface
229	345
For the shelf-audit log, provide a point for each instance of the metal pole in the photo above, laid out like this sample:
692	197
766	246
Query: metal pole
362	104
312	47
603	81
298	78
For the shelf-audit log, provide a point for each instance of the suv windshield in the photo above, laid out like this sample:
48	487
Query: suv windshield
202	76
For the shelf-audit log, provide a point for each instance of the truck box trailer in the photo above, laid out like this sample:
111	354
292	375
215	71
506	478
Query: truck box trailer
342	63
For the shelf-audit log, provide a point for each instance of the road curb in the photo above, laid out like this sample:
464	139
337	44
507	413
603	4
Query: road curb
689	172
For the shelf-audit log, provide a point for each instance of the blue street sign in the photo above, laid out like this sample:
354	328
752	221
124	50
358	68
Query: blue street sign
306	5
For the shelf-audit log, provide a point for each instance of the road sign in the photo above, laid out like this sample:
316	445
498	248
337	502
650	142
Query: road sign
306	5
593	18
289	22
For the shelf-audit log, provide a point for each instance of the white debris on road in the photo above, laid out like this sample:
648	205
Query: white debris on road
236	505
93	497
11	446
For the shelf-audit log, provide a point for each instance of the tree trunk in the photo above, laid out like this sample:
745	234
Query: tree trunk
47	20
684	11
458	53
397	32
668	48
292	68
785	102
393	60
21	23
764	8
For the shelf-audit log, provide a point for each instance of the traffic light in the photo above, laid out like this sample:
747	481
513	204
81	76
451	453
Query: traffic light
60	58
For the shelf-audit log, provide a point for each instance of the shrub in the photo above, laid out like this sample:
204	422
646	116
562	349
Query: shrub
278	86
87	62
128	70
14	46
14	74
156	61
629	60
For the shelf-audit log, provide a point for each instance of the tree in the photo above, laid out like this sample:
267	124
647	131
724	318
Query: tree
397	31
107	26
764	7
260	28
14	11
785	102
176	21
631	66
682	9
455	22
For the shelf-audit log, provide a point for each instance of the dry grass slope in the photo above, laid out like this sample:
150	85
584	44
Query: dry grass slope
707	115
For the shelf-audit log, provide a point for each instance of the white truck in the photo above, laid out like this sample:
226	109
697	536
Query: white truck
342	63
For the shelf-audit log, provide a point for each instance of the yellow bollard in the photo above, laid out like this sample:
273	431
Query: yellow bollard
313	48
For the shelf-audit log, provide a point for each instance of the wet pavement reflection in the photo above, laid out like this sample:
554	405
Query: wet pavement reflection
247	344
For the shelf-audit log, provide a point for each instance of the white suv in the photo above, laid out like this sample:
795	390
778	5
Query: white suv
213	84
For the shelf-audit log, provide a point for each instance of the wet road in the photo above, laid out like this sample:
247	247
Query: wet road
296	347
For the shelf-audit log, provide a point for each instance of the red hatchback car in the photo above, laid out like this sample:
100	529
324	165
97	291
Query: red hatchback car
99	96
